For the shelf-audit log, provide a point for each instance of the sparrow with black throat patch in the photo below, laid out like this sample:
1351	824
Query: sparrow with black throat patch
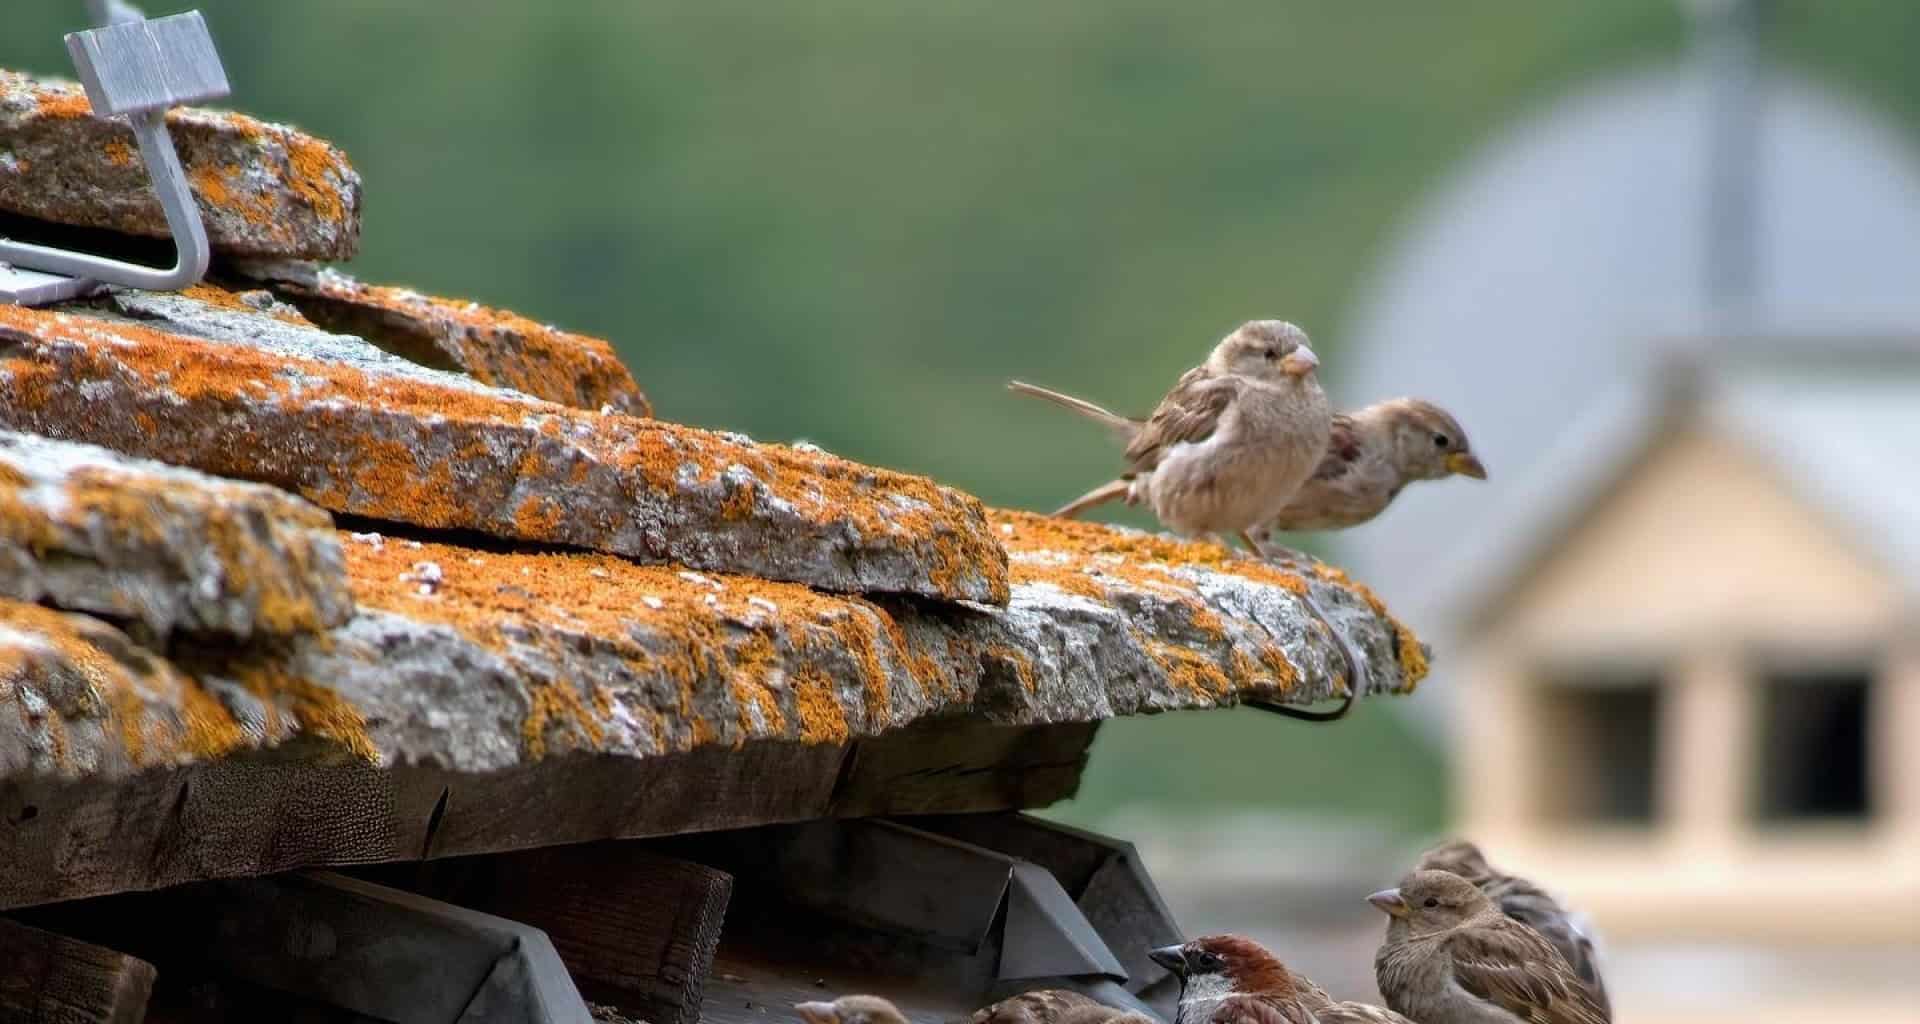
1231	979
1451	957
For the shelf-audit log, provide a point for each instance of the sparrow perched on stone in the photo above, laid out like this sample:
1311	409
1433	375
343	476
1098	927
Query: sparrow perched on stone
1055	1006
1230	444
1237	435
855	1009
1230	979
1451	957
1527	903
1372	453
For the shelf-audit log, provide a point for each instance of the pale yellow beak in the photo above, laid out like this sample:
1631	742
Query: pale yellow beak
1389	901
1300	362
1466	464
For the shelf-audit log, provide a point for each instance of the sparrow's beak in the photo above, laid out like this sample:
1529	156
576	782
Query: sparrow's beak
1466	464
817	1013
1170	957
1299	362
1389	900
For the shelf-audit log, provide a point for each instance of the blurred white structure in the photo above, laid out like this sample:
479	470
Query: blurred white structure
1677	628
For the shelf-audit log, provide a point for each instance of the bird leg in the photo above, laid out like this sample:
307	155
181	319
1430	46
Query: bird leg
1278	553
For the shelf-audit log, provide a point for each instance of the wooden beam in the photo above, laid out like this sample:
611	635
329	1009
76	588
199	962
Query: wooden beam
634	928
47	978
249	816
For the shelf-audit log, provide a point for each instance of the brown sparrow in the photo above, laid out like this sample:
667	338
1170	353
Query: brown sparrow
1230	979
854	1009
1527	903
1451	957
1371	454
1055	1006
1230	444
1236	433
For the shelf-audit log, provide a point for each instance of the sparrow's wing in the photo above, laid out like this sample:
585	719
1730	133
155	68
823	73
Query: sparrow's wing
1047	1006
1343	450
1190	412
1357	1013
1532	906
1508	964
1242	1009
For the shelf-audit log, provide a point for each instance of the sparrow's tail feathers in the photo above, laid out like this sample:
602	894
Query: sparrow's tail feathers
1358	681
1100	495
1113	421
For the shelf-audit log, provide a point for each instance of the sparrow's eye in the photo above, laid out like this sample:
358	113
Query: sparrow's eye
1432	902
1271	354
1441	441
1210	961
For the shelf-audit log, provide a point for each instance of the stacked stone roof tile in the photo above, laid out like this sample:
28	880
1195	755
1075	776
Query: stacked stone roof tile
286	518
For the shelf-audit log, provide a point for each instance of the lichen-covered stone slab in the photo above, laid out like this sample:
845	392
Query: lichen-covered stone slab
493	346
78	699
86	529
482	661
264	190
236	392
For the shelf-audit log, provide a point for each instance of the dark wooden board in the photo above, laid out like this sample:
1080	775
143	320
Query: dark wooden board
46	978
636	929
63	840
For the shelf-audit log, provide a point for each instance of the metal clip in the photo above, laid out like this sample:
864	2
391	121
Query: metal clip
137	68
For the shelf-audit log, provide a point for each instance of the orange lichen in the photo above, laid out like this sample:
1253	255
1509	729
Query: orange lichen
119	153
210	184
502	348
1022	665
557	702
62	104
1407	646
319	710
313	168
751	643
189	378
1187	669
738	504
822	718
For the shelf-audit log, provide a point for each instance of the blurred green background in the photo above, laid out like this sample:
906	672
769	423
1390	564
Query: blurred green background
850	221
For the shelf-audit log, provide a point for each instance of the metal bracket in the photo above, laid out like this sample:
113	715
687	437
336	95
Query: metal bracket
136	68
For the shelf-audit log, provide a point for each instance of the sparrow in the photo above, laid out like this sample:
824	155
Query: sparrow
1230	979
1451	957
1230	444
856	1009
1372	453
1529	904
1237	434
1055	1006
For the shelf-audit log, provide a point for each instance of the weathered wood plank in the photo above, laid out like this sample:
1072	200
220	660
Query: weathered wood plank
634	928
267	813
46	978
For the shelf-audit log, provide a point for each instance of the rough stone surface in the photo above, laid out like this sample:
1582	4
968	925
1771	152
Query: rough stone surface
78	699
265	190
479	661
86	529
234	391
493	346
